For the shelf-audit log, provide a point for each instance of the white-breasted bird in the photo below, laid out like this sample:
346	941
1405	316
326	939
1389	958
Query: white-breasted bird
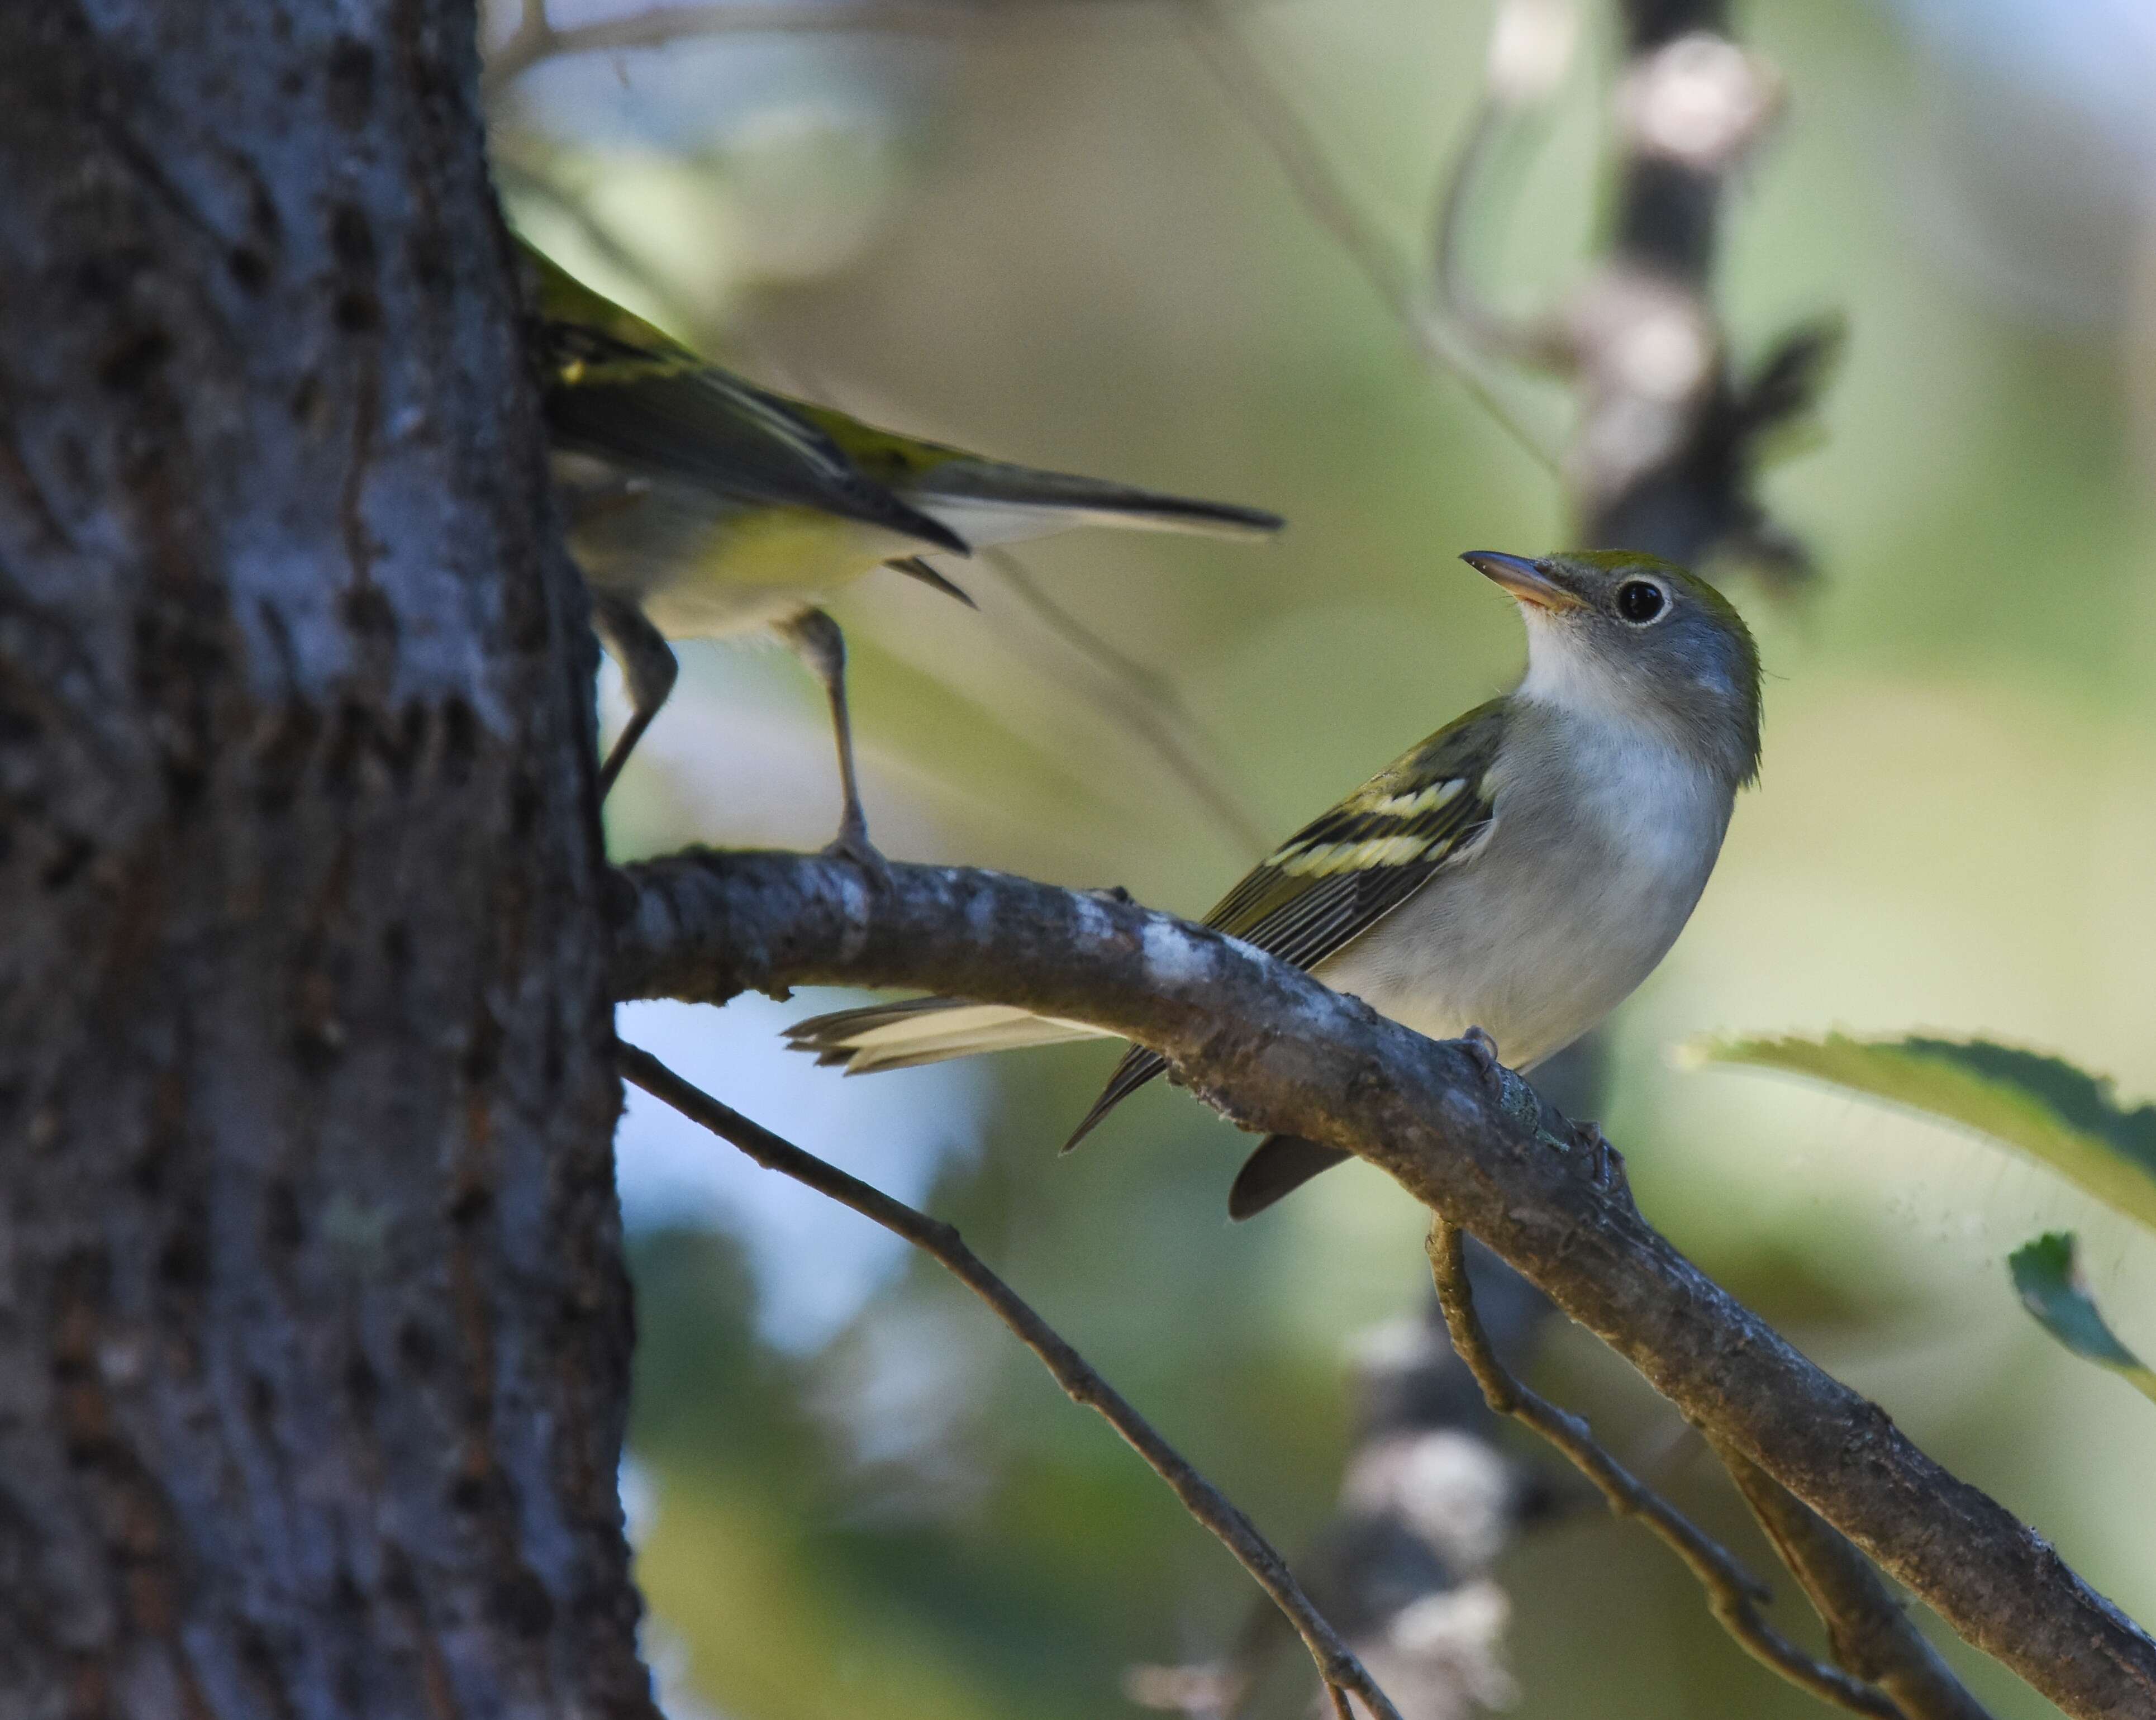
699	505
1520	872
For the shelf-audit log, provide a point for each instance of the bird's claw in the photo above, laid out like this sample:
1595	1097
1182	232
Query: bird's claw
852	845
1483	1049
1605	1164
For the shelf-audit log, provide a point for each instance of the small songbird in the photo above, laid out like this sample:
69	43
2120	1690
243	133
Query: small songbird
699	505
1509	881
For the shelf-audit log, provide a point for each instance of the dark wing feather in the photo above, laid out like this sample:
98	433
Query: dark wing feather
937	472
653	409
1280	1165
972	479
1341	874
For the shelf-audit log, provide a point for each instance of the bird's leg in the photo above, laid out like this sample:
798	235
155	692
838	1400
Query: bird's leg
648	668
1479	1045
1605	1164
815	636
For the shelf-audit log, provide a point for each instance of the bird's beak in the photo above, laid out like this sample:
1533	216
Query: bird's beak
1527	581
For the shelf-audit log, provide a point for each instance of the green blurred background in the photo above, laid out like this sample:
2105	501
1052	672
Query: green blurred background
1048	236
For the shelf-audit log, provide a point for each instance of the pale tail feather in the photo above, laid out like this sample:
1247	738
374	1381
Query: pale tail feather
926	1030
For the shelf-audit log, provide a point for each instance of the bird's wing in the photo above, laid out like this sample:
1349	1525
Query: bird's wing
948	480
1341	874
1039	502
619	389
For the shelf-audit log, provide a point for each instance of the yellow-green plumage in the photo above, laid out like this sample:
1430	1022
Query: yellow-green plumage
699	504
1341	872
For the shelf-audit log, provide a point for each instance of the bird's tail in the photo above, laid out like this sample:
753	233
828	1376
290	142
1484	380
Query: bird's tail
987	501
926	1030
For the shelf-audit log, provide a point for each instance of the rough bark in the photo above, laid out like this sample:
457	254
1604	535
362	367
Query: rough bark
314	1341
1272	1048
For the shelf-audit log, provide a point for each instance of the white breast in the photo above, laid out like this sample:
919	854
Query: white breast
1602	839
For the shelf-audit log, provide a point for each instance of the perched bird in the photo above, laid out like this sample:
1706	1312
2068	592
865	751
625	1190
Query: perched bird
1511	880
699	504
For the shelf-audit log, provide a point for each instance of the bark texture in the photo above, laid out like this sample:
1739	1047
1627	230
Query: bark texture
313	1332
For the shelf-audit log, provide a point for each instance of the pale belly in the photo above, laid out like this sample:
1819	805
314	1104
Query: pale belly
1539	936
700	567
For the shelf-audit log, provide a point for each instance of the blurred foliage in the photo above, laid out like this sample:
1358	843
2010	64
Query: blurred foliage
1053	239
2059	1115
2047	1275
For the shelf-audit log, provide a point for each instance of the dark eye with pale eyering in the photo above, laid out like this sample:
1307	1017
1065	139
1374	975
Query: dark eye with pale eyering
1640	601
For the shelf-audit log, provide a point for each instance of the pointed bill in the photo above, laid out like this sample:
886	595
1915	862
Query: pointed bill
1523	579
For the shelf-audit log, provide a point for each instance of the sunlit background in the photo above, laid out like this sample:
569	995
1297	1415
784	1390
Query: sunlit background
1049	235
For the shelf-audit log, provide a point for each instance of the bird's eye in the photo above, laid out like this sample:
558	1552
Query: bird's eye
1640	601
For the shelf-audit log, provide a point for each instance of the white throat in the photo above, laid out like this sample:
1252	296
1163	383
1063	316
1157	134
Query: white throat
1567	678
1624	772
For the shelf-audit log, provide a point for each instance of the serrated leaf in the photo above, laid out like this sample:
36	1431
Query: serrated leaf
2047	1275
2045	1106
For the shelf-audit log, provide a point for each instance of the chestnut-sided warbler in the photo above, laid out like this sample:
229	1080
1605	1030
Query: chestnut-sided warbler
1518	873
699	504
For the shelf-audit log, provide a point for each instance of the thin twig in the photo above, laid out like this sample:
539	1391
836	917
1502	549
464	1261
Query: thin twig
1871	1634
1521	341
1342	1673
1733	1593
536	38
1157	716
1253	92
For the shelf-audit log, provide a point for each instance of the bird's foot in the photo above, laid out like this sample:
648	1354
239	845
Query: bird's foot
1605	1164
852	845
1483	1049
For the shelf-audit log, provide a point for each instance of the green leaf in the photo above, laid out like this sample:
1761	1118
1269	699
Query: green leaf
2048	1276
2042	1106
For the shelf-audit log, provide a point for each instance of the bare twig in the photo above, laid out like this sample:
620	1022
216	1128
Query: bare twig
1156	713
1342	1673
1539	344
1252	91
1278	1052
536	38
1871	1634
1733	1593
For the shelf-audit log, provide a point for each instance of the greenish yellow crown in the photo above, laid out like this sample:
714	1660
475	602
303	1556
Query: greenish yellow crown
573	313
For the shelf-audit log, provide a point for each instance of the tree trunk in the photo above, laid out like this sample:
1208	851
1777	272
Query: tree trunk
314	1335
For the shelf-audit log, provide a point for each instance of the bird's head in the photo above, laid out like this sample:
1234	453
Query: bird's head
1619	634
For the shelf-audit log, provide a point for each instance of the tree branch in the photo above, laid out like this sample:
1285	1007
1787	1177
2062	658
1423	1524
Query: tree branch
1734	1595
1665	454
1274	1049
1342	1673
1872	1636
